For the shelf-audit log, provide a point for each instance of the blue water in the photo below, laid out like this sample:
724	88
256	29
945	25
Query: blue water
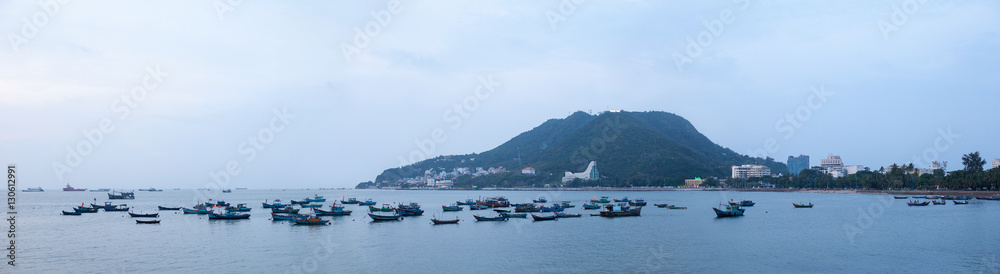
842	233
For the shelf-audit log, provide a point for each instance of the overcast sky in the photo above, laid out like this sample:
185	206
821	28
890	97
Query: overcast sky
340	91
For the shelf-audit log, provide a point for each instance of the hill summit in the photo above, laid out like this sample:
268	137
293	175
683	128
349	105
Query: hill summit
630	148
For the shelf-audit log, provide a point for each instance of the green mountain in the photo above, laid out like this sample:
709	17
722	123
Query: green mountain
631	148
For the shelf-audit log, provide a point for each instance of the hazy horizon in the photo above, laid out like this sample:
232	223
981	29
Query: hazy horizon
328	94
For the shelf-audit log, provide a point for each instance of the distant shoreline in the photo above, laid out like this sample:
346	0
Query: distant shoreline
840	191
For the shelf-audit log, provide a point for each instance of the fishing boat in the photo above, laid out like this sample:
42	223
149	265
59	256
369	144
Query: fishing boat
731	211
501	211
303	202
310	221
227	191
217	204
551	209
637	202
378	218
384	208
124	195
900	197
467	202
451	208
152	215
602	200
677	207
622	200
100	190
197	210
109	208
566	204
478	207
33	189
662	205
228	216
147	221
490	219
939	202
810	205
412	209
960	202
82	209
69	188
591	206
368	202
167	208
620	211
564	215
514	215
311	205
286	209
335	212
238	207
543	218
277	203
316	199
917	203
742	203
527	208
350	201
494	202
441	222
71	213
540	200
285	217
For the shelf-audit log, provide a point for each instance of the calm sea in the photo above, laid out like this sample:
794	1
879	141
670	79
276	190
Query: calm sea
842	233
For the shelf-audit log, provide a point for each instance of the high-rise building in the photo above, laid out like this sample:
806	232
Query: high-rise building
797	164
833	166
749	171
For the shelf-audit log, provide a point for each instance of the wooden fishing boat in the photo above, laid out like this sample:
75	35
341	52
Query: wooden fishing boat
167	208
960	202
488	219
85	209
540	200
502	211
311	205
810	205
941	202
637	202
316	198
551	209
731	211
514	215
385	208
677	207
622	200
603	200
310	221
195	211
591	206
543	218
411	209
228	216
335	212
439	222
742	203
477	207
286	217
451	208
74	213
281	210
217	204
900	197
238	208
662	205
385	217
368	202
153	215
147	221
620	211
564	215
467	202
130	195
294	202
566	204
350	201
527	208
107	208
917	203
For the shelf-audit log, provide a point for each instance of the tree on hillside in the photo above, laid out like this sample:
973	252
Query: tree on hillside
973	163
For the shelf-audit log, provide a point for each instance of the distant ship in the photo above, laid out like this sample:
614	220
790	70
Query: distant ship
36	189
241	188
100	190
69	188
150	189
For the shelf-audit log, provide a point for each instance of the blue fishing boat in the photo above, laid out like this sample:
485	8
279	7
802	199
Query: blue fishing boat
75	213
130	195
285	217
467	202
551	209
960	202
490	219
85	209
281	210
564	215
540	200
310	221
316	199
441	222
311	205
917	203
543	218
451	208
239	208
637	202
622	200
228	216
135	215
514	215
477	207
109	208
335	212
217	204
731	211
620	210
412	209
350	201
147	221
167	208
591	206
368	202
566	204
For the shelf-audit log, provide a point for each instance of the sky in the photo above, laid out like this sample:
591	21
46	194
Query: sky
308	94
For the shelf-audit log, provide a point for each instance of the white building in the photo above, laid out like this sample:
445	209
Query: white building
528	170
833	165
996	163
853	169
748	171
589	174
